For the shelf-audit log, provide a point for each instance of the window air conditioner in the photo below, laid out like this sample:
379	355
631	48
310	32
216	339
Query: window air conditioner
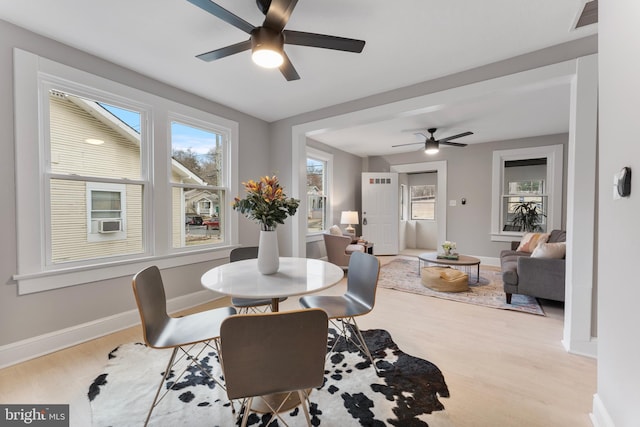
109	225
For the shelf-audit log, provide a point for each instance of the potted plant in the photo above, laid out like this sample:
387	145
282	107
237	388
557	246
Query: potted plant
527	216
267	204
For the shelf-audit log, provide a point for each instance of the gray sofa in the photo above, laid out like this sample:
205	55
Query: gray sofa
536	277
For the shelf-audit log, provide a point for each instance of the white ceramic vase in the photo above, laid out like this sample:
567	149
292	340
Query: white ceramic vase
268	255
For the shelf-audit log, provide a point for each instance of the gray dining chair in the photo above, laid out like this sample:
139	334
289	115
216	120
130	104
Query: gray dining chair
182	334
249	305
342	310
269	354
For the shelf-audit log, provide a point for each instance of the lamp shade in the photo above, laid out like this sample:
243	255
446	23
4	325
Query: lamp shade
349	217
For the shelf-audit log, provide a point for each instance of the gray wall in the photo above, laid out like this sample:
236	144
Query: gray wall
32	315
469	176
616	402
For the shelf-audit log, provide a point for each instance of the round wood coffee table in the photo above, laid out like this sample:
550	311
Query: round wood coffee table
462	261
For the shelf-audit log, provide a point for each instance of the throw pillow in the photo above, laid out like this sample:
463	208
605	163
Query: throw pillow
335	230
550	250
531	240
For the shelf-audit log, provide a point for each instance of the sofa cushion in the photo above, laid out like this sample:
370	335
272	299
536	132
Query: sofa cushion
531	240
557	236
550	250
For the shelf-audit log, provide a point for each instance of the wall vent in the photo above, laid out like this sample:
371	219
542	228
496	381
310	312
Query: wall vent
589	14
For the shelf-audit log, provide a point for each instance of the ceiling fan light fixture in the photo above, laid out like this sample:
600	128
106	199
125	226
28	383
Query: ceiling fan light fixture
431	147
267	58
267	48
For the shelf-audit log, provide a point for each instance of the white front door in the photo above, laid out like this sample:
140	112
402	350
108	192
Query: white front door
380	211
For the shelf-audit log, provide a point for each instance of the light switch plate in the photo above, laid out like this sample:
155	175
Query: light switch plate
453	203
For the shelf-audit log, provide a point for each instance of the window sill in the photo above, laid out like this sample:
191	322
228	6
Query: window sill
506	237
48	280
315	237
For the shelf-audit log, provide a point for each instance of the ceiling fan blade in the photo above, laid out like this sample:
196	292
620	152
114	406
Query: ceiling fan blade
454	144
460	135
225	51
421	134
288	70
278	14
223	14
411	143
301	38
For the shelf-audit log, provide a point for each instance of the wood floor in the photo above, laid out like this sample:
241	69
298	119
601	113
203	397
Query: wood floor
502	368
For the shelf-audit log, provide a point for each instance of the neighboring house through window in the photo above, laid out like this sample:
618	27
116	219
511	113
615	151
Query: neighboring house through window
99	205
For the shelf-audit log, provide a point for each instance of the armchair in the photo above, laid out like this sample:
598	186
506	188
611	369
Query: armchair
339	249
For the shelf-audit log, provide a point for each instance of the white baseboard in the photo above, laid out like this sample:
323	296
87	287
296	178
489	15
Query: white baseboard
30	348
490	261
582	348
600	416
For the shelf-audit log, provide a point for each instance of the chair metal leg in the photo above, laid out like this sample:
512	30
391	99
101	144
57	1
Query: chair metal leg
348	327
193	360
247	409
304	401
275	411
164	378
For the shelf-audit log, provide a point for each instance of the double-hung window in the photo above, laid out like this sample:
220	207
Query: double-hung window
531	176
109	177
198	183
319	166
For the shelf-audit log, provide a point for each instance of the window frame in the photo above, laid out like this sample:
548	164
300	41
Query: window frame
326	157
553	187
32	75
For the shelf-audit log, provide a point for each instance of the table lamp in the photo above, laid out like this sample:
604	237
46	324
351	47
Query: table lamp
349	218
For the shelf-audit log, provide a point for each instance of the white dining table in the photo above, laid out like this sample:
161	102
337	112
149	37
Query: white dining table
296	276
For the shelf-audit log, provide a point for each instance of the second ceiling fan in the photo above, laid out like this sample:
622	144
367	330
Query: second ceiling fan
432	145
267	41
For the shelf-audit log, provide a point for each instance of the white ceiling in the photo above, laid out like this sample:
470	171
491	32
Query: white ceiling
407	42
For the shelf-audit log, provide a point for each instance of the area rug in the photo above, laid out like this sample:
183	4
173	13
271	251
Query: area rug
402	274
405	392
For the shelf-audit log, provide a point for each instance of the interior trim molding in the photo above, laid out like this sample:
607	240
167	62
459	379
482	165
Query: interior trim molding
41	345
600	416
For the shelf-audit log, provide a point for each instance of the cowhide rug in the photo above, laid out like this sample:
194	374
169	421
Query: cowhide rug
405	392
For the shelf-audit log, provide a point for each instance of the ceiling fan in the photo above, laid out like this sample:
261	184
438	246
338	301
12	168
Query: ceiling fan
432	145
267	41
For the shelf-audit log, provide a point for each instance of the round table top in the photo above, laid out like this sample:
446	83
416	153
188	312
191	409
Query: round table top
296	276
462	259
